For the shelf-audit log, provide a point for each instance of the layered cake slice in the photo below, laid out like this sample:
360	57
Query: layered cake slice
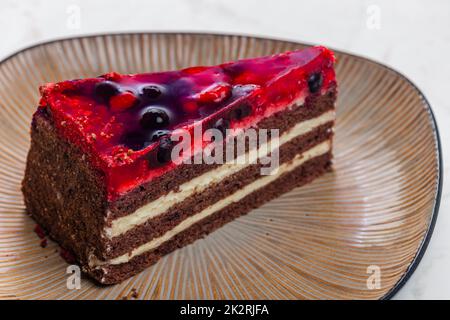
124	169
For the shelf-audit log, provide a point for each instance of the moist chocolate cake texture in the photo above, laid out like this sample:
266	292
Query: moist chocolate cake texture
117	227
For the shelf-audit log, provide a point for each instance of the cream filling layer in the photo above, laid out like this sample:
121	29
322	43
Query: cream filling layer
297	161
159	206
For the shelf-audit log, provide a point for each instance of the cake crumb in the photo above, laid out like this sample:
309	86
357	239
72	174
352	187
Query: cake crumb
39	231
134	293
92	137
67	255
43	243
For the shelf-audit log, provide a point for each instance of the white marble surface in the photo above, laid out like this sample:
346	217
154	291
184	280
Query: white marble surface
411	36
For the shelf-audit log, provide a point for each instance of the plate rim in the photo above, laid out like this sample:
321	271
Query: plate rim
432	118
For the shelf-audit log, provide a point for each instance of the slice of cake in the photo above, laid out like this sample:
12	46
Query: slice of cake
124	169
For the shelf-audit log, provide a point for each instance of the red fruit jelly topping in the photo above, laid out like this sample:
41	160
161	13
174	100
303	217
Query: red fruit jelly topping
121	122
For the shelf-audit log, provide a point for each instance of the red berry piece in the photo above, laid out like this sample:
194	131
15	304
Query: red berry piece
190	106
39	231
112	76
215	93
122	101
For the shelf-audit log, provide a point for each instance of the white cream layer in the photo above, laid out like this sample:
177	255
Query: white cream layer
316	151
201	183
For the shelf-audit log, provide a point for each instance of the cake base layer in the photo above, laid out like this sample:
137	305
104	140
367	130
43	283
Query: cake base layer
305	173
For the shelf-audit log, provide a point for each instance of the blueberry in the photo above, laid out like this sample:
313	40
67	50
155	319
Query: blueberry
242	111
222	125
164	150
135	140
151	91
106	89
154	118
315	82
158	134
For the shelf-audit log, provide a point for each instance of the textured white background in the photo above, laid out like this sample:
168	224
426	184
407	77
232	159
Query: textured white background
411	36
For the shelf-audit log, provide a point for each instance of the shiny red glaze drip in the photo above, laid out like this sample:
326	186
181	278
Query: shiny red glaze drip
190	95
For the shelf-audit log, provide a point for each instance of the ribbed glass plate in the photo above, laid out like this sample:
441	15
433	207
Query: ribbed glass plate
375	212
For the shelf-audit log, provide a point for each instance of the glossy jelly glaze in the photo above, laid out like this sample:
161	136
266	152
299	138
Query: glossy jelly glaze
123	123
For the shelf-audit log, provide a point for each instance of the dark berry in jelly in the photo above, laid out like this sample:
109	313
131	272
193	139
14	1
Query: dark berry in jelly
164	150
135	140
158	134
315	82
242	111
106	89
222	125
153	118
152	91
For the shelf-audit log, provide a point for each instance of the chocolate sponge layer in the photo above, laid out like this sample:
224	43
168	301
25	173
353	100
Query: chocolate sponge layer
62	192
